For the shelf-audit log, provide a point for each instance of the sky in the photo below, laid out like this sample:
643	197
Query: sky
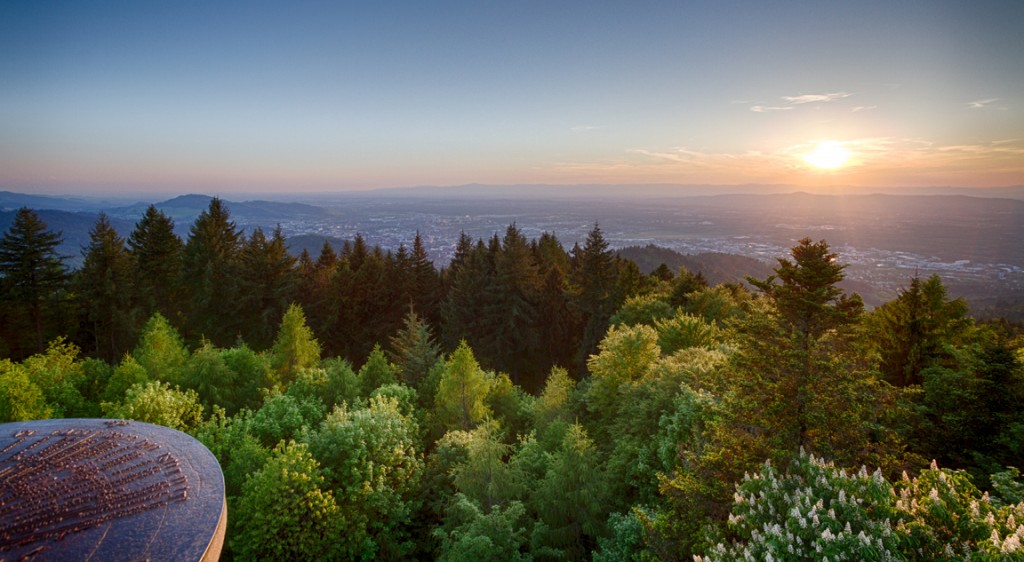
159	96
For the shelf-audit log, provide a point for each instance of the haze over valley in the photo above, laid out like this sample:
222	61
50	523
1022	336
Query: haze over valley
972	242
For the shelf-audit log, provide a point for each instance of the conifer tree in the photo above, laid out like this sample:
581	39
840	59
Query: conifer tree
461	392
799	376
376	372
32	275
157	253
295	348
513	339
210	273
595	295
559	325
464	311
911	331
105	287
267	283
569	500
413	350
426	282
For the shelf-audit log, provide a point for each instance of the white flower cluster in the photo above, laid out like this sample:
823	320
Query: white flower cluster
813	511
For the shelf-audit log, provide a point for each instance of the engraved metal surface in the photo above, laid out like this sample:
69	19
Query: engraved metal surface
84	489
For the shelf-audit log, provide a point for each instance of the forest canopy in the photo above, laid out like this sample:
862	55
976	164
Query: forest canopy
528	402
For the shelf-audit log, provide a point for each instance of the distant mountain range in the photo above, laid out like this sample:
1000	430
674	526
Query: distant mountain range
973	241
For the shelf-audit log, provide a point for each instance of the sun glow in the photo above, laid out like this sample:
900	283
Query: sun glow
827	155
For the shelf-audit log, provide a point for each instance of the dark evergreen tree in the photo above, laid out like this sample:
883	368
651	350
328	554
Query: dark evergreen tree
314	290
106	289
413	350
559	324
157	253
913	331
595	294
513	341
267	281
210	274
464	309
32	278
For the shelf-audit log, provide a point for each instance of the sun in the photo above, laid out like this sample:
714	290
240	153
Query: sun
827	155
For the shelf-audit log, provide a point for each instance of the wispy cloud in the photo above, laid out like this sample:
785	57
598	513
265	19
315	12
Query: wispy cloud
585	128
793	101
816	98
768	108
981	104
863	108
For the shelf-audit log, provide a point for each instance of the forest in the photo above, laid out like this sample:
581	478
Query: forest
528	402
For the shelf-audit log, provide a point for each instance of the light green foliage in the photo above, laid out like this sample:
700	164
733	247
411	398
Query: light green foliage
553	410
512	407
160	350
295	347
626	354
371	462
461	391
286	513
376	372
20	399
239	453
211	378
642	309
126	375
470	534
251	372
404	396
58	373
284	417
721	304
157	403
485	477
814	511
684	331
342	382
570	500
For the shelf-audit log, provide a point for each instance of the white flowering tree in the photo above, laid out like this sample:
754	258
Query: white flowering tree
816	511
945	517
812	512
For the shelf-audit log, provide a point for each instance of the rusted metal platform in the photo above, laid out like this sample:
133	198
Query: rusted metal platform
92	489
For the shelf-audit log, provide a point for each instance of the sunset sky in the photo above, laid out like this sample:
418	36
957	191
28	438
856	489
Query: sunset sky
107	97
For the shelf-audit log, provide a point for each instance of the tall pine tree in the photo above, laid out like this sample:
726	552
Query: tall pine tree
32	276
106	289
157	265
210	273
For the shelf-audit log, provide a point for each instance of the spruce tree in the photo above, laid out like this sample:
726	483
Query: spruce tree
210	273
595	293
413	350
157	253
106	289
513	314
32	276
267	282
295	348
